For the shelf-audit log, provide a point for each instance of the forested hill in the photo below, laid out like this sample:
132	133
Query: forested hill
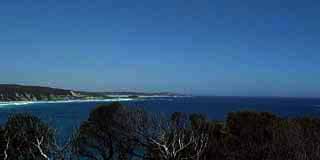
13	92
10	92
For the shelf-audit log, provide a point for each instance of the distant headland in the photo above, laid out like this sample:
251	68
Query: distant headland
14	92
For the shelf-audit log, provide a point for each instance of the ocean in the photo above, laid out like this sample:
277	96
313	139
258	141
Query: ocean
65	117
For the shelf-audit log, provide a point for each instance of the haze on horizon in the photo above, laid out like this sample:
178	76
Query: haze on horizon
205	47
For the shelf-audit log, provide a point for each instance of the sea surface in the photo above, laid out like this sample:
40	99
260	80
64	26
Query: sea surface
65	117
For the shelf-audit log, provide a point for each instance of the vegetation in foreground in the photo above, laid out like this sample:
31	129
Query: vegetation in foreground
115	132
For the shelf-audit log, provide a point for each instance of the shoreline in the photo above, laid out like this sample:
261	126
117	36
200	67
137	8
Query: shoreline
17	103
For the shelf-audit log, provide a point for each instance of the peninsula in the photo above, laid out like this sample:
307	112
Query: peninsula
14	92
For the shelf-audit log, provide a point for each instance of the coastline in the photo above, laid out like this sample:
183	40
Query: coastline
17	103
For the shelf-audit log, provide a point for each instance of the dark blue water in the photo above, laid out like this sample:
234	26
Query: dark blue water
66	116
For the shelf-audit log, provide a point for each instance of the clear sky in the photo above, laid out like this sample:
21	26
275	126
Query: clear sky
212	47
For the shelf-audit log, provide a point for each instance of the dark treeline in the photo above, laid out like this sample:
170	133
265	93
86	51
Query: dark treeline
30	93
13	92
115	132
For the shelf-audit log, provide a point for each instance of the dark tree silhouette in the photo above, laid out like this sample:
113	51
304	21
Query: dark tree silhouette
115	132
27	137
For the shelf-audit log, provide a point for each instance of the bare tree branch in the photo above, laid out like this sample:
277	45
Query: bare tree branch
6	149
38	145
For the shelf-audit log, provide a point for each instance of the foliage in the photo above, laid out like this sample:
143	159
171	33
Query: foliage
26	137
115	132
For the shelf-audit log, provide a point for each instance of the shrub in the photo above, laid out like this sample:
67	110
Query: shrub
27	137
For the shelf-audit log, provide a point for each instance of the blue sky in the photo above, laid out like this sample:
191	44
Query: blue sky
207	47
